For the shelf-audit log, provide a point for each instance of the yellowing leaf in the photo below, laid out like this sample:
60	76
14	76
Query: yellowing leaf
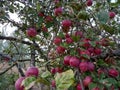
64	80
29	82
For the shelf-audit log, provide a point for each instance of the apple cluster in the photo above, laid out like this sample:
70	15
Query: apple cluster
76	52
31	71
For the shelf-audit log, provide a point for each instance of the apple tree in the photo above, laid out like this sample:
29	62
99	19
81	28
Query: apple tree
62	44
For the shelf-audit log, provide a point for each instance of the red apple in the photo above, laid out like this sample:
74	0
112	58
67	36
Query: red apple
57	40
32	71
67	35
79	34
53	83
69	40
83	66
18	83
86	43
53	70
58	69
60	50
100	71
74	61
89	2
97	51
91	66
31	32
48	19
58	11
91	50
112	14
87	80
66	23
113	72
78	87
67	60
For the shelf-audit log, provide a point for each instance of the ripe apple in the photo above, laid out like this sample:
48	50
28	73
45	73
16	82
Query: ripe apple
87	80
18	83
31	32
86	43
66	23
113	72
32	71
60	49
91	66
97	51
78	87
74	61
53	70
53	83
58	11
112	14
83	66
79	34
57	40
69	40
58	69
67	60
89	2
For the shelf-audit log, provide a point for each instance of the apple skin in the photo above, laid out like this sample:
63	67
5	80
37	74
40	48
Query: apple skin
67	60
18	83
112	14
66	23
57	40
53	83
83	66
32	71
113	72
87	81
91	66
89	2
74	62
97	51
53	70
60	49
31	32
69	40
58	11
78	87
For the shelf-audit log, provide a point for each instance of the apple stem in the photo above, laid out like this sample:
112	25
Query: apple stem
80	79
33	55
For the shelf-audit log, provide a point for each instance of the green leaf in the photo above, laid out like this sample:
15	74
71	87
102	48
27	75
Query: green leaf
83	15
64	80
108	29
61	35
29	82
46	74
103	16
43	81
92	85
38	6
